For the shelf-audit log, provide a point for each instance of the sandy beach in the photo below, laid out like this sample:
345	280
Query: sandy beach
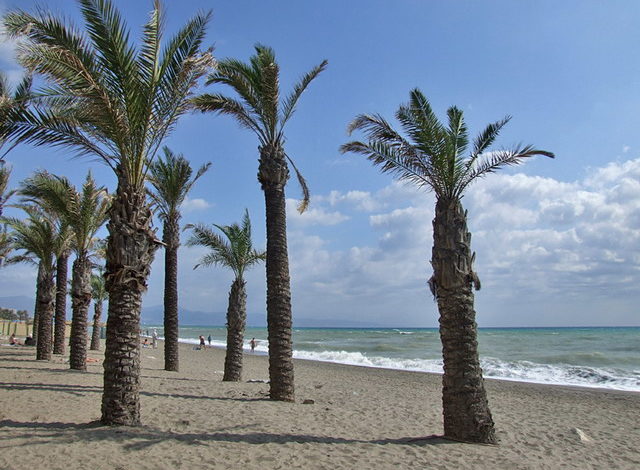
360	418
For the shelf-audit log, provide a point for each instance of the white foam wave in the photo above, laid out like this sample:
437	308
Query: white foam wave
520	371
359	359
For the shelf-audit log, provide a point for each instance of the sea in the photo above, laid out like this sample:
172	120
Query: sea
601	357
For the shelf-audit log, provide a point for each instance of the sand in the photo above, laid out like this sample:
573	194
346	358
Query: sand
359	418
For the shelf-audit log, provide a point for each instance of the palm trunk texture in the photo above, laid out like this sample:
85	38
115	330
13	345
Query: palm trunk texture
80	300
95	334
44	297
130	250
236	321
62	266
273	175
171	238
36	308
465	407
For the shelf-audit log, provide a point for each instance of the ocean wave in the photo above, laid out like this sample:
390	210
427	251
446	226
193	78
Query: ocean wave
520	370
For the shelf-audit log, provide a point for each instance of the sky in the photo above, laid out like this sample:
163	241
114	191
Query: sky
557	241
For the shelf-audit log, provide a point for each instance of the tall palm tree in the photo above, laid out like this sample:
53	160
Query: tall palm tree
171	180
60	315
99	294
432	157
260	110
238	254
83	213
116	102
38	236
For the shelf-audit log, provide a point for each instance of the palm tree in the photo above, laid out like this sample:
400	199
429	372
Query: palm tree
171	181
432	158
60	316
116	102
239	255
99	294
259	109
38	237
83	213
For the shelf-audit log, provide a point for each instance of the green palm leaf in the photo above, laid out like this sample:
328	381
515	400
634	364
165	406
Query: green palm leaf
234	250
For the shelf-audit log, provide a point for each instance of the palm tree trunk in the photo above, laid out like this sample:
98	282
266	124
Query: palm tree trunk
466	410
130	250
236	321
45	295
95	335
80	300
36	308
273	175
62	266
171	239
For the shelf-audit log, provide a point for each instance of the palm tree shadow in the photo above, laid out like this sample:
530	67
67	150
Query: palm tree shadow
146	437
73	389
79	390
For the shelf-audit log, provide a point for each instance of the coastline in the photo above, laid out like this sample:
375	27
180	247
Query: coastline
361	416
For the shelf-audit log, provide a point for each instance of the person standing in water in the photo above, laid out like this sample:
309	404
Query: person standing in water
253	343
209	340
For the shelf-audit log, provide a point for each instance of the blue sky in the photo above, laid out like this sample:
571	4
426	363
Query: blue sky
557	241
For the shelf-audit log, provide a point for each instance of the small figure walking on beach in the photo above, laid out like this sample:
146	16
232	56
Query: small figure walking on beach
209	340
202	345
154	338
253	343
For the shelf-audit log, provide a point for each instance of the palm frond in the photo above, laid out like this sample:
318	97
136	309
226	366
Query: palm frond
108	98
234	250
221	104
171	180
306	195
493	161
243	79
82	212
391	159
289	105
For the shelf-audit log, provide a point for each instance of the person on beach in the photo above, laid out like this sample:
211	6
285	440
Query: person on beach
12	340
154	338
253	343
145	343
202	345
209	340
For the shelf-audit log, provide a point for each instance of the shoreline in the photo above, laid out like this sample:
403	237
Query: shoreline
194	341
360	416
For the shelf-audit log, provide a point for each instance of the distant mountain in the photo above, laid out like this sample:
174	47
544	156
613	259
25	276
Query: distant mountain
153	315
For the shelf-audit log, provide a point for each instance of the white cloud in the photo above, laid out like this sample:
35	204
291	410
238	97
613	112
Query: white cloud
197	204
312	216
359	200
537	240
